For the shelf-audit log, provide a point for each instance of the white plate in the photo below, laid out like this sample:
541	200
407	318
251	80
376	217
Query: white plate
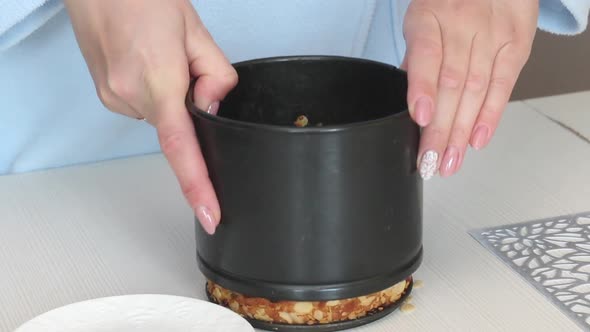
145	313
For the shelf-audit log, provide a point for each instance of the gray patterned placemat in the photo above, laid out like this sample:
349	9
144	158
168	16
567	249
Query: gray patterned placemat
552	254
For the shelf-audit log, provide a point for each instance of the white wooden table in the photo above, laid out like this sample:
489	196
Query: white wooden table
122	227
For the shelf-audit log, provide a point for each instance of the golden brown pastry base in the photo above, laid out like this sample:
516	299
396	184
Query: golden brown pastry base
310	313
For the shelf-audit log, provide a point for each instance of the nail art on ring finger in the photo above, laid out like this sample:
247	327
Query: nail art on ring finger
428	164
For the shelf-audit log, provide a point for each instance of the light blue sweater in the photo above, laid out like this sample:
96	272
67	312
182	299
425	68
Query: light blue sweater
50	115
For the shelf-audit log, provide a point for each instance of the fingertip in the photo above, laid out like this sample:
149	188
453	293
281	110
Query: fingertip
206	219
480	137
201	96
428	164
216	76
208	93
180	146
423	111
450	161
205	206
213	108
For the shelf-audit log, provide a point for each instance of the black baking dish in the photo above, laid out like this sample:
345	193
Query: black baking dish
329	211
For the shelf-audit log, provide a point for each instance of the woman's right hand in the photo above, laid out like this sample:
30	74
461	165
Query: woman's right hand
141	55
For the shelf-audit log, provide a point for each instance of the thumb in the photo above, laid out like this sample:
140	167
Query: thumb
215	75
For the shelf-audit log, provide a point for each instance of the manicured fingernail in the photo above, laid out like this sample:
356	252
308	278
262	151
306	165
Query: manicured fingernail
423	109
450	161
460	161
428	164
480	137
213	108
206	219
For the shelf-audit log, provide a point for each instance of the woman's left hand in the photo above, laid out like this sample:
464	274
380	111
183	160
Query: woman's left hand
463	58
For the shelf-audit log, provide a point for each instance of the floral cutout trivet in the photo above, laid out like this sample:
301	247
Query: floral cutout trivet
552	254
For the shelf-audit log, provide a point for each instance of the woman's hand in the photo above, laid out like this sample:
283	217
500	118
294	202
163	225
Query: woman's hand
141	55
463	59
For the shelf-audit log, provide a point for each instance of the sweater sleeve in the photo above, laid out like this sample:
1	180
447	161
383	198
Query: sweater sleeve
20	18
564	17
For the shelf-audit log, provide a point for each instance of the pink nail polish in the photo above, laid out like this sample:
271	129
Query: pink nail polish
213	108
206	219
480	137
423	109
450	161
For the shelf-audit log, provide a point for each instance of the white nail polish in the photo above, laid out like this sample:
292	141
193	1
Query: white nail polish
428	164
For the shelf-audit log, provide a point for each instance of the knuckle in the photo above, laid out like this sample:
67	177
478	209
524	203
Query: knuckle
492	108
229	79
470	13
202	33
190	190
522	52
515	49
488	109
501	83
464	11
428	47
460	5
515	53
106	96
505	30
476	82
172	142
419	11
460	134
509	62
451	78
419	91
437	133
121	86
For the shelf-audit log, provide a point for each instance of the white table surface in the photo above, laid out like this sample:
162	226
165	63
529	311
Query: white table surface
570	110
122	227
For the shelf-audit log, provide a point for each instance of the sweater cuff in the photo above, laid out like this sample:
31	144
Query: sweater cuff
20	18
563	17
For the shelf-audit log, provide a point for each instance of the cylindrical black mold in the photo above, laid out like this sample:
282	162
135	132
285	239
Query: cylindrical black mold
329	211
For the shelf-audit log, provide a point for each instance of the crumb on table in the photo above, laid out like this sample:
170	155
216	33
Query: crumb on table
418	284
407	307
